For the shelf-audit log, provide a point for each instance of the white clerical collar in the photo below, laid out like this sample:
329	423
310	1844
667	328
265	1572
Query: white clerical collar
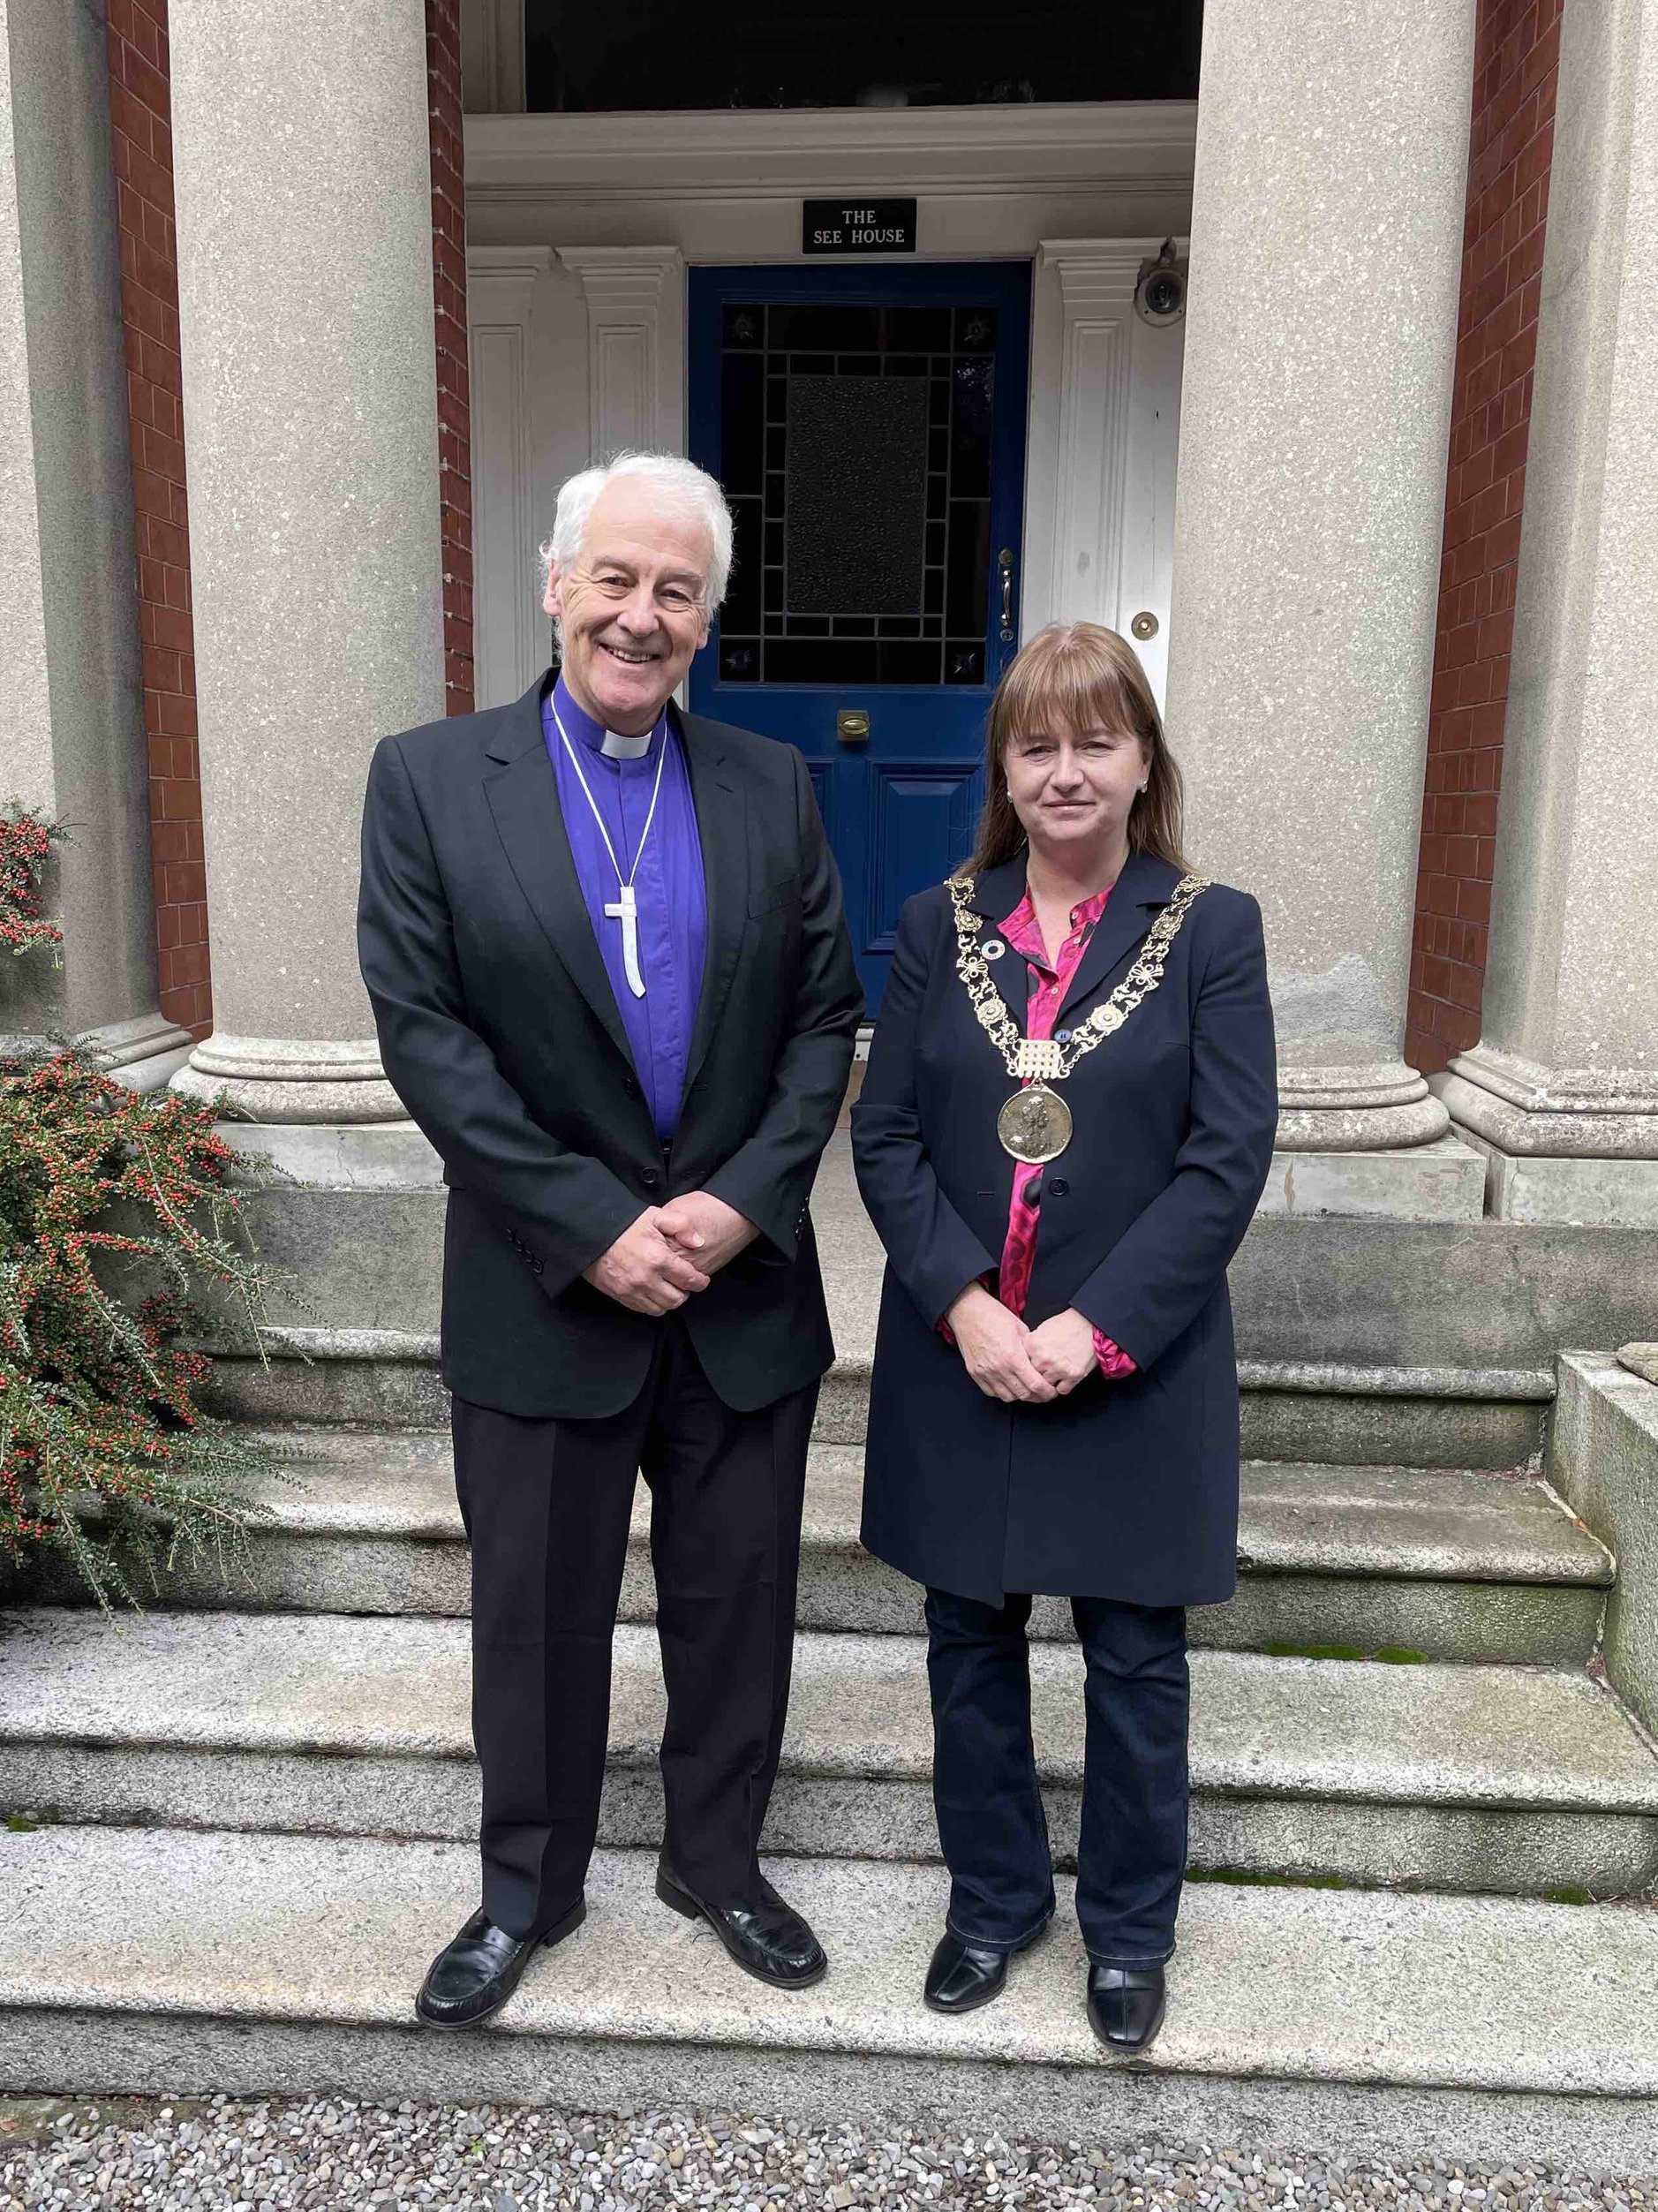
617	747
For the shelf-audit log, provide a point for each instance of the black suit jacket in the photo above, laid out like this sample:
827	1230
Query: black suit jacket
501	1033
1125	1490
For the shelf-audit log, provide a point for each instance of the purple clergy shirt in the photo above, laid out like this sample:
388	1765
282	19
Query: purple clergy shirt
673	902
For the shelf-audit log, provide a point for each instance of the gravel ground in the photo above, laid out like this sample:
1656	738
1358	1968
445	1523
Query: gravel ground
234	2156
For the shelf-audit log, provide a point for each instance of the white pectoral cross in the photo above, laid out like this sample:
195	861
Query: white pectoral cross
625	910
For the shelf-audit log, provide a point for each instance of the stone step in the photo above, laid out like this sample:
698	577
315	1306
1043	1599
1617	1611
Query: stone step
1522	1779
1363	2023
1383	1341
1453	1564
1295	1409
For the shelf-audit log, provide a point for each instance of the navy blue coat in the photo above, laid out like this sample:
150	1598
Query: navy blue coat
1123	1490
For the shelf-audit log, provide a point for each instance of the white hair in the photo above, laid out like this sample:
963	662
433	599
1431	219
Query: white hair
683	486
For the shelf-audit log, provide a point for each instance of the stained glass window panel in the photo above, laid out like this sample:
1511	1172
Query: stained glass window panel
855	487
856	446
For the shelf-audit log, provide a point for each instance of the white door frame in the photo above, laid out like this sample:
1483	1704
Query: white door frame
580	229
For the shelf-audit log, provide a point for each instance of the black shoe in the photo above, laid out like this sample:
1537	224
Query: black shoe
963	1976
769	1940
1126	2006
474	1975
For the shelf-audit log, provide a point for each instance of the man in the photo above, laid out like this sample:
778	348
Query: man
613	984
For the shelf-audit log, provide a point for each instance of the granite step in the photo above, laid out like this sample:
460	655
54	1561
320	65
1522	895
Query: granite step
1301	1410
1477	1778
1452	1564
1358	2023
380	1366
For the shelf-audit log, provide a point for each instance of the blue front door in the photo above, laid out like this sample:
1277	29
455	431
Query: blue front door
869	427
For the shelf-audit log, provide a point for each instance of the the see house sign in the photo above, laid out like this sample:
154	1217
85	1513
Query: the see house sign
857	226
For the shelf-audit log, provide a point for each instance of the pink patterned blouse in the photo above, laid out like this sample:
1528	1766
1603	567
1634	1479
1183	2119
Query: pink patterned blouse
1048	983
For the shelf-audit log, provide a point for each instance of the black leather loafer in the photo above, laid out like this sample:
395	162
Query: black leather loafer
962	1976
1126	2006
474	1975
769	1940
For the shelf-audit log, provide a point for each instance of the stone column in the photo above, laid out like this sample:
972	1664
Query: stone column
1564	1083
304	250
74	743
1326	241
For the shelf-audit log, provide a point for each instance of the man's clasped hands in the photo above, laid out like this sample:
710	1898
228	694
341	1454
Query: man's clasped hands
670	1252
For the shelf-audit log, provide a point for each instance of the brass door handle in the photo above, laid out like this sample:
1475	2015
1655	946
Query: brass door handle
1004	561
852	726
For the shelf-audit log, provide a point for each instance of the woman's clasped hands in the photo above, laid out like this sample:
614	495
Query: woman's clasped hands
1016	1364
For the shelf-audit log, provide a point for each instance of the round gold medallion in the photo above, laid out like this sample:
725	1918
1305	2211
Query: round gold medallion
1035	1124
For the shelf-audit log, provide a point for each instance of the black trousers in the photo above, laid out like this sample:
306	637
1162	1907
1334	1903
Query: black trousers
547	1505
1131	1857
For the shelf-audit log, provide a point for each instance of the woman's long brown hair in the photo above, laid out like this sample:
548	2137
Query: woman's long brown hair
1079	675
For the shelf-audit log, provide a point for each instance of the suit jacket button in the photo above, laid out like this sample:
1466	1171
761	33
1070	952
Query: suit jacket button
537	1267
650	1178
1058	1188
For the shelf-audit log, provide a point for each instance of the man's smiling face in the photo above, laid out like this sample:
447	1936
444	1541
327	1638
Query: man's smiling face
633	603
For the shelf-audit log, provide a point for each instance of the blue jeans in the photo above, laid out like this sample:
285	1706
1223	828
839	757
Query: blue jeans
994	1833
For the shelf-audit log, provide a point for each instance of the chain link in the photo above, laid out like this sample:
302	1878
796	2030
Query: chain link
1057	1061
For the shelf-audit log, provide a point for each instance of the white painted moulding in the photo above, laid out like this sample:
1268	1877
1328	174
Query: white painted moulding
734	153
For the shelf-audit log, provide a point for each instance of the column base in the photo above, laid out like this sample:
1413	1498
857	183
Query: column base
145	1054
286	1079
1560	1112
1561	1145
142	1053
1385	1107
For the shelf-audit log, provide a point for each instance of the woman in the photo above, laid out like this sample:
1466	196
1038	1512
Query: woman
1066	1123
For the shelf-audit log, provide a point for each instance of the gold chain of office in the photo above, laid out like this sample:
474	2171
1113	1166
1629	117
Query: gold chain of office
1035	1123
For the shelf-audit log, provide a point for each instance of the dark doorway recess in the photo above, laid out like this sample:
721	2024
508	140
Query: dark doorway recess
756	54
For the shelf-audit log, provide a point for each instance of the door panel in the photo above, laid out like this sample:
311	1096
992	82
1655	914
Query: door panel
919	827
1148	524
869	427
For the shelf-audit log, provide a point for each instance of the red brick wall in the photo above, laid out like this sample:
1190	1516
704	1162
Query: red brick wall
140	110
1516	49
448	277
